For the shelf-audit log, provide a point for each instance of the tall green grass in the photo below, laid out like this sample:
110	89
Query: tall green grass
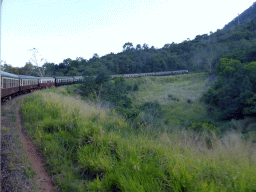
88	148
179	97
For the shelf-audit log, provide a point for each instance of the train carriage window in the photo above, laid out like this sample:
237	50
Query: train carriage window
4	83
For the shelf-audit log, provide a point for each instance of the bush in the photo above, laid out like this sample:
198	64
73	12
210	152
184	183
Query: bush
202	126
170	96
189	100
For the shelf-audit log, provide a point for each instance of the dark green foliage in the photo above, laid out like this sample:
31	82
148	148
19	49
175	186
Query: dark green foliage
250	106
170	96
189	100
151	112
233	91
200	126
101	87
153	108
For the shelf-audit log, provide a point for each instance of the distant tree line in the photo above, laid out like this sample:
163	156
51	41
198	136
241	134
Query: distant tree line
203	53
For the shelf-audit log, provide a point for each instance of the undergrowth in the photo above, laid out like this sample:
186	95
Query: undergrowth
88	148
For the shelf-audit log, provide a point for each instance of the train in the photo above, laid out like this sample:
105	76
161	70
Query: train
13	85
135	75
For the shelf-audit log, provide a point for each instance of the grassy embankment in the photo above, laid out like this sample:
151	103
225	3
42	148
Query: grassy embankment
91	149
178	96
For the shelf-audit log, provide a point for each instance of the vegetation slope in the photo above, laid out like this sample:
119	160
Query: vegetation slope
89	147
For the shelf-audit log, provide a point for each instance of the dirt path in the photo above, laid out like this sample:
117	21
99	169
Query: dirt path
22	167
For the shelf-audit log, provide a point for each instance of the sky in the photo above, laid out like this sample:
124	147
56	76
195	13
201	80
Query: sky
61	29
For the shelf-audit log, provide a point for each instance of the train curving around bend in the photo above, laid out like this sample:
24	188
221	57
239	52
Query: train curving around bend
13	85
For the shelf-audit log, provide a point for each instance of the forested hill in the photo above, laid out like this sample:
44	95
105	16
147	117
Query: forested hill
248	15
203	52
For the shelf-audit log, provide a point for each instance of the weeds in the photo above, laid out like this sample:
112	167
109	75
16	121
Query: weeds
92	149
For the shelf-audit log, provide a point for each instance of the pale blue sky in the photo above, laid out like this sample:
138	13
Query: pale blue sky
62	29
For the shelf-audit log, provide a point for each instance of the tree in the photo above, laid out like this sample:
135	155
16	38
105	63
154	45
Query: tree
8	68
128	46
145	46
38	63
28	69
210	55
198	58
228	67
95	56
138	47
50	69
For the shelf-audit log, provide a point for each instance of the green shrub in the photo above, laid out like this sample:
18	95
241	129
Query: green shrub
200	126
189	101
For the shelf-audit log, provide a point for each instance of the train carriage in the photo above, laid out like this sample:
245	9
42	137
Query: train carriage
9	85
63	81
46	82
78	79
28	83
113	76
131	75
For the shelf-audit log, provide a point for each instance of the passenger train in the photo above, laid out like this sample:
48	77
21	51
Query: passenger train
13	85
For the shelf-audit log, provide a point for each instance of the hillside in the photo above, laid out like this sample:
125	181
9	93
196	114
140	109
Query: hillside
88	147
248	15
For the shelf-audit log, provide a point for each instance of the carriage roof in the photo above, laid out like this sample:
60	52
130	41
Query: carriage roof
5	74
